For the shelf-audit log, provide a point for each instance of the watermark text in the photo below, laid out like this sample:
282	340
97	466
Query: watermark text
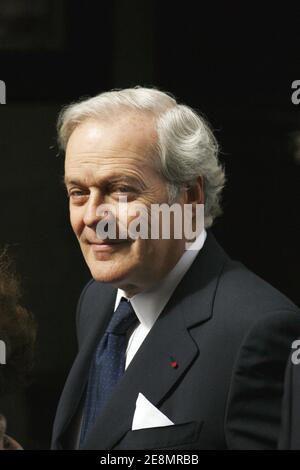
2	92
2	352
296	94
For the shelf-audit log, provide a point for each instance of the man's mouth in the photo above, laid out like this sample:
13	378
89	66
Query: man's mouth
106	245
108	241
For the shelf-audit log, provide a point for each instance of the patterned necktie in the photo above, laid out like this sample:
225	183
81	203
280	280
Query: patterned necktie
108	364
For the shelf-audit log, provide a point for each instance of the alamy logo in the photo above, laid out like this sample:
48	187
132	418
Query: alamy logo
136	220
2	92
2	352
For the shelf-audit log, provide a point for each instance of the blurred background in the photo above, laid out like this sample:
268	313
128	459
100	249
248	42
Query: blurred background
235	64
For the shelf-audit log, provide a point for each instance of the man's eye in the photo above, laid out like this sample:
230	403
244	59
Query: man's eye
124	189
76	194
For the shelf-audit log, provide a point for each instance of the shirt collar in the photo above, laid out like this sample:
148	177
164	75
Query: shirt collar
149	304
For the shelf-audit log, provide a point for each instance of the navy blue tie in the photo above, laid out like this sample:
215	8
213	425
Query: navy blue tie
108	364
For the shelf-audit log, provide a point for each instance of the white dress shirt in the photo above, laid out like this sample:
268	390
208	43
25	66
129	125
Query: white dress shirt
149	304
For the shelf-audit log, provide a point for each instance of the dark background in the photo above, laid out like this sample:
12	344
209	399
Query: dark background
234	63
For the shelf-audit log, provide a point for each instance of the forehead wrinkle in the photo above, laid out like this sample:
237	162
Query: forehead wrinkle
94	166
98	178
109	156
143	155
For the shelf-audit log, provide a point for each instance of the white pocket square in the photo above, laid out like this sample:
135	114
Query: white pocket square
147	415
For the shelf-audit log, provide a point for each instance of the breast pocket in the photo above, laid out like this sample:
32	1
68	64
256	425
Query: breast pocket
177	436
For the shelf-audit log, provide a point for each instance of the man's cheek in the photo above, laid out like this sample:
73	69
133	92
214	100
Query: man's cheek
76	224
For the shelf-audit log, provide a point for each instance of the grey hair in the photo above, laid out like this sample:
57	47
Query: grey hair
186	145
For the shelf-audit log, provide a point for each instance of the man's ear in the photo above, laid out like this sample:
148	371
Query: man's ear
195	193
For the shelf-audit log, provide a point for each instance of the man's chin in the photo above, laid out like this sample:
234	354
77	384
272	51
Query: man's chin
109	276
112	267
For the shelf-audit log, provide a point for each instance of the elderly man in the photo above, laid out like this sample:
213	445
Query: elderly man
178	348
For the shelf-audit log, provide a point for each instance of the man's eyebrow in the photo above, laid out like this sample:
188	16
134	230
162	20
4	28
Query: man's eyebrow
66	181
70	181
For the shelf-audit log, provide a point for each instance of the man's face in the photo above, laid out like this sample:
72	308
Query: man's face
105	161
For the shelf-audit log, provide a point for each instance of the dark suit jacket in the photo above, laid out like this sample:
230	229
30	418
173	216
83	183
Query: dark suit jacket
230	333
290	431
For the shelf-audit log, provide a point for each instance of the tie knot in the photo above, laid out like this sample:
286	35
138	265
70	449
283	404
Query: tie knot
122	318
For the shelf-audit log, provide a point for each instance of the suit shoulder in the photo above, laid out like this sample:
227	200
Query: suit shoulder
247	296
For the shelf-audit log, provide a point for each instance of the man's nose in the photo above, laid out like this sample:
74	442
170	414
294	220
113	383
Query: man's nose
91	215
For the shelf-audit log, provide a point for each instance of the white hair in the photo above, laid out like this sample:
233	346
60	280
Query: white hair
186	146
